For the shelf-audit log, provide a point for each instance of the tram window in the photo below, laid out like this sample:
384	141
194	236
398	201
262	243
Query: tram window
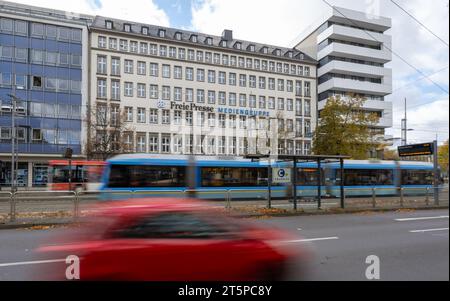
233	177
363	177
308	177
141	176
417	177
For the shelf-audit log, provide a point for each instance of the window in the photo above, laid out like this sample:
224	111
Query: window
249	63
222	120
20	27
252	101
298	107
242	80
298	88
252	81
109	24
409	177
113	43
307	89
222	98
162	50
123	45
128	90
101	64
144	30
262	102
178	144
37	56
181	53
101	88
307	104
101	42
166	71
271	103
189	95
224	59
208	57
128	114
189	73
115	90
232	99
141	115
128	66
242	100
242	122
51	58
262	82
115	66
177	93
211	76
177	72
177	117
189	118
200	56
222	78
154	69
165	117
200	75
153	117
166	92
307	131
280	103
200	96
153	143
127	27
162	33
290	104
233	60
233	176
271	83
216	58
21	54
280	84
141	143
232	79
165	144
154	91
153	49
178	36
141	68
191	54
232	121
141	90
6	25
143	48
289	86
211	97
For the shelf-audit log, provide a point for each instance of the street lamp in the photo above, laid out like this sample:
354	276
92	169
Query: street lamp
14	148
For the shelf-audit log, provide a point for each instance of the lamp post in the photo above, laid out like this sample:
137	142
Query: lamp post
14	146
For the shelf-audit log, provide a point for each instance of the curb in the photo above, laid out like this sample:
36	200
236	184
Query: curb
244	215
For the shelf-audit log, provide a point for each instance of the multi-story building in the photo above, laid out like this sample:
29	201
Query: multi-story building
352	49
185	92
43	59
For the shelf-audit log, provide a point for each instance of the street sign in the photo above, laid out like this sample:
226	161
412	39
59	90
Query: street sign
281	175
423	149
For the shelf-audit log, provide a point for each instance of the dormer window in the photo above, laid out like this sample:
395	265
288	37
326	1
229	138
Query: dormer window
265	50
162	33
208	41
223	43
145	30
178	36
238	45
194	38
289	54
251	47
127	27
302	56
277	52
109	24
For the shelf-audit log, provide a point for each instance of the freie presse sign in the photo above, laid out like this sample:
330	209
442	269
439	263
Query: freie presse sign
209	109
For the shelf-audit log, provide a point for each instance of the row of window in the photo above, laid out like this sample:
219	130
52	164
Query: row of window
20	27
40	82
201	96
187	119
166	143
48	136
37	109
40	56
202	56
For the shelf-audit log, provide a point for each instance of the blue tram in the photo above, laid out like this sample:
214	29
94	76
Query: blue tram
215	177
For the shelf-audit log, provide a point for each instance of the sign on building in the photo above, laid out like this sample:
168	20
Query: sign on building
281	175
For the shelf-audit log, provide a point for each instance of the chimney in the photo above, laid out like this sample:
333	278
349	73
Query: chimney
227	35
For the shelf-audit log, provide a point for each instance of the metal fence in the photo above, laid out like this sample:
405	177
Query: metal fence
26	206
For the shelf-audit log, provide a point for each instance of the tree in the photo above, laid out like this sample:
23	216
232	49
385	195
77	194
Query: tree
343	128
107	133
390	154
443	157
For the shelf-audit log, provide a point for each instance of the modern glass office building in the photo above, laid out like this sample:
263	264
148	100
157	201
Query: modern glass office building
42	54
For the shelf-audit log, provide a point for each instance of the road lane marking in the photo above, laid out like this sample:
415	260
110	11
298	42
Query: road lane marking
420	218
8	264
428	230
312	239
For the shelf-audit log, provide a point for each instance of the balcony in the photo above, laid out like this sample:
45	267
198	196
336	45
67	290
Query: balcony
355	69
355	86
382	56
339	32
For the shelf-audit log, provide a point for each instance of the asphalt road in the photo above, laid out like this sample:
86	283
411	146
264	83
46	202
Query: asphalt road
410	245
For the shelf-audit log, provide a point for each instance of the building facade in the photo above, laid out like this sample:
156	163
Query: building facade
43	60
180	92
352	49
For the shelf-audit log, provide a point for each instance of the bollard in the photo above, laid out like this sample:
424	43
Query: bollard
75	205
401	196
427	197
374	198
12	216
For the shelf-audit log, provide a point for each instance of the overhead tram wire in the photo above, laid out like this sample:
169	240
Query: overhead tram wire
420	23
419	79
389	49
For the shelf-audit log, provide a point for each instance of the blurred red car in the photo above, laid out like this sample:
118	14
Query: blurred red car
176	240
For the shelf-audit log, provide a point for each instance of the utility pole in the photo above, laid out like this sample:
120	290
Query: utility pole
405	128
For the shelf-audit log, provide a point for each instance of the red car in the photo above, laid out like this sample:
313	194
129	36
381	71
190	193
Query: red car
176	240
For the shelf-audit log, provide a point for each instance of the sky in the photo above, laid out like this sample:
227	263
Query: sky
417	54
